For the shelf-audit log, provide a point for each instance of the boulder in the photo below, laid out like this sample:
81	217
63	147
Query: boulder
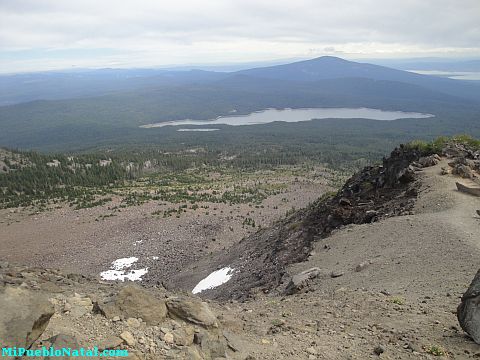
192	310
428	161
169	338
335	274
454	150
302	280
370	216
468	312
463	171
135	302
24	315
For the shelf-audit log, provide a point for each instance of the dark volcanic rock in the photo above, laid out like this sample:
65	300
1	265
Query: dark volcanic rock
370	195
427	161
468	311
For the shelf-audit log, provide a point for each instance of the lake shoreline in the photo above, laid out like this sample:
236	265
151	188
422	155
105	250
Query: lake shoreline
296	115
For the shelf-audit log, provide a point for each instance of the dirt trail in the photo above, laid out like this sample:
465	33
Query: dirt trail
442	238
461	214
403	300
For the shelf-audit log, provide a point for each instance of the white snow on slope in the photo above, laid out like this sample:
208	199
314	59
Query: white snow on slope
123	263
213	280
118	270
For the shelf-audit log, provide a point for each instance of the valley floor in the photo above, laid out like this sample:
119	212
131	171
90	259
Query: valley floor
88	240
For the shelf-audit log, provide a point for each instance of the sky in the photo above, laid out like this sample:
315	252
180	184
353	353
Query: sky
65	34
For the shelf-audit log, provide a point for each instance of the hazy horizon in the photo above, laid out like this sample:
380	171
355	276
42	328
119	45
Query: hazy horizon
237	66
46	35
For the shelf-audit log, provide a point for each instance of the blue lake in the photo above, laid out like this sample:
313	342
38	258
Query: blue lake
297	115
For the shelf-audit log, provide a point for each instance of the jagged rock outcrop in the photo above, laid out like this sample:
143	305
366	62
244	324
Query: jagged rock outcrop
468	311
466	162
374	193
459	150
427	161
463	168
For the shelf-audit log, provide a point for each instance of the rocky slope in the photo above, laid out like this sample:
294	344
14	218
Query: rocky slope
259	261
376	270
49	308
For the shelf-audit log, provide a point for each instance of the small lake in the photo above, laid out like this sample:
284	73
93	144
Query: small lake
456	75
297	115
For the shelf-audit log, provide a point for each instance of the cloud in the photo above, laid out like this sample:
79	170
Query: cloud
157	32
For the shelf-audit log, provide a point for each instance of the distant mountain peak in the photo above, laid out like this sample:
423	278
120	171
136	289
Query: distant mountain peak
328	58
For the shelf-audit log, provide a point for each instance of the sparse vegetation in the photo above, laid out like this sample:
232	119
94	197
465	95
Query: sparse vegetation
435	350
397	300
89	180
436	146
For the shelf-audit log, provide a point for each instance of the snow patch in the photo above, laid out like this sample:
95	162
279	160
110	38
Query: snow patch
123	263
118	270
213	280
132	275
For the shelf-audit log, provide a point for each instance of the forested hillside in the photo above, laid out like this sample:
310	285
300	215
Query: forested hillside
112	116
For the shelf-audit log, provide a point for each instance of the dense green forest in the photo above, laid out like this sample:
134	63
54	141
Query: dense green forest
114	120
83	150
178	172
31	178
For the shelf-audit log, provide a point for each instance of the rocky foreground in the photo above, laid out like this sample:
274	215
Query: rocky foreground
48	308
376	271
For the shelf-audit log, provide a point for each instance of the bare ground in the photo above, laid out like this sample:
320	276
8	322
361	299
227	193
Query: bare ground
404	301
400	305
83	241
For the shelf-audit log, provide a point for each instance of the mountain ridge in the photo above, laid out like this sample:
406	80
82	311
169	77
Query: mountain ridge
329	67
67	85
114	117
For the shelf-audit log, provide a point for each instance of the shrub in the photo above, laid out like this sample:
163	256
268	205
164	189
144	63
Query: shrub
397	300
436	350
